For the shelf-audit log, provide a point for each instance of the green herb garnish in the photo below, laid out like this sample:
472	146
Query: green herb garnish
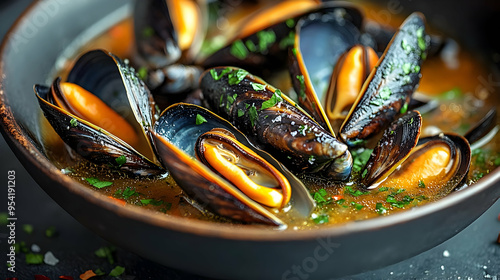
28	228
250	46
235	77
275	99
51	231
151	201
216	76
421	184
290	22
32	258
266	38
357	206
351	191
385	93
98	183
302	92
239	50
117	271
200	119
73	122
241	113
321	219
252	113
404	108
142	73
121	160
107	253
257	86
360	158
379	208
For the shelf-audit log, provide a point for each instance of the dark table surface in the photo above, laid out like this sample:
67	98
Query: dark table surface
472	254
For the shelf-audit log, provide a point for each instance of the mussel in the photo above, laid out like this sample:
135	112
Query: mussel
274	122
182	132
102	94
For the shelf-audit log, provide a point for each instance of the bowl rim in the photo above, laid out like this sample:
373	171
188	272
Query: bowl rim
19	142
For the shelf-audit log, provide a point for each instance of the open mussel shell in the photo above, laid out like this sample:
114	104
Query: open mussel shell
91	142
392	149
175	135
321	37
388	89
275	123
438	165
117	85
167	31
261	42
351	71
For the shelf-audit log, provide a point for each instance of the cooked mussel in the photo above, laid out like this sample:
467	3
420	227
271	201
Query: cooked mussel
102	112
176	134
219	150
313	58
274	122
351	71
436	166
263	38
389	87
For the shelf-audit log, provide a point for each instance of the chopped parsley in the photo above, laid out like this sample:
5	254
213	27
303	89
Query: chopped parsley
421	184
357	206
290	22
98	183
497	161
151	201
106	253
320	195
200	119
216	76
252	113
148	32
406	47
73	122
126	193
407	68
275	99
351	191
51	231
32	258
250	46
28	228
360	158
266	38
404	108
121	160
239	50
383	189
235	77
257	86
379	208
385	93
117	271
321	219
287	41
399	203
421	43
142	73
241	113
302	92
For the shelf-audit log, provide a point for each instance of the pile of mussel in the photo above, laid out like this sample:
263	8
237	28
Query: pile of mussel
235	153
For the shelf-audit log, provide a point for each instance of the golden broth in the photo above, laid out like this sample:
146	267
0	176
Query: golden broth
462	100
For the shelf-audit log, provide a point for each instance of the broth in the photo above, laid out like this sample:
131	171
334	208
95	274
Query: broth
462	103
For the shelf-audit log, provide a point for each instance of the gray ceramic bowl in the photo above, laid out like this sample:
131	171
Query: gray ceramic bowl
29	53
